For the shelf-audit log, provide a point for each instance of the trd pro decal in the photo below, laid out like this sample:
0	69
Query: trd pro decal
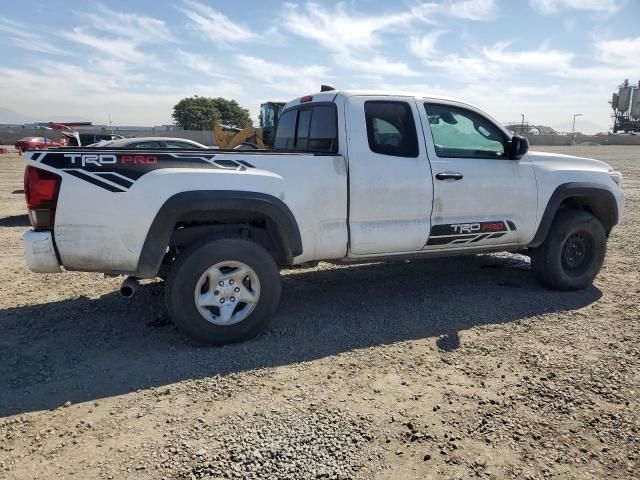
117	172
456	233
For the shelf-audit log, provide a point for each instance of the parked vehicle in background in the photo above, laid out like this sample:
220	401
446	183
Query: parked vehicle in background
354	177
150	142
77	139
35	143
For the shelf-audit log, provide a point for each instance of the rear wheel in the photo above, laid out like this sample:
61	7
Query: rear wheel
223	291
573	252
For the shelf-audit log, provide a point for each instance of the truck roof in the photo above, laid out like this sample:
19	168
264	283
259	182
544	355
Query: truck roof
329	96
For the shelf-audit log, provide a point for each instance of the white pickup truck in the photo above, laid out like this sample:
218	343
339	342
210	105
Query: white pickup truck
354	177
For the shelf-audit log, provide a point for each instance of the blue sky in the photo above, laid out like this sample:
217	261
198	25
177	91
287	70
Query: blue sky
135	59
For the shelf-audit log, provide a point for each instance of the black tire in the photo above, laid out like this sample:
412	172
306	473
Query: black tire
573	252
191	265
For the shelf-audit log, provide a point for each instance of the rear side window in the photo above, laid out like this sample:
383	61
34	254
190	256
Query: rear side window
391	129
286	133
323	133
308	129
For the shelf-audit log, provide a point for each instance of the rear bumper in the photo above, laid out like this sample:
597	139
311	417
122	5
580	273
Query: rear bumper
39	252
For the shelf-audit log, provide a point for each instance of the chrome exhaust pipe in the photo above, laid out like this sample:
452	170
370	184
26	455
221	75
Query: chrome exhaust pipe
129	287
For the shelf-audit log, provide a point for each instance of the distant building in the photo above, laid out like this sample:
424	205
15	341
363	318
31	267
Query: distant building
526	128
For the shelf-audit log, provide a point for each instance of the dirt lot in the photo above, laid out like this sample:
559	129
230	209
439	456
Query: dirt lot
451	369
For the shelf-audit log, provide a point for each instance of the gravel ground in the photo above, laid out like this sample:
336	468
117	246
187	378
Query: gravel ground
454	368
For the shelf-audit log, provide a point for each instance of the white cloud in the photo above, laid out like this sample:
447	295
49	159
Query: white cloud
488	62
22	35
120	35
91	95
215	25
624	52
138	28
479	10
553	6
459	68
375	64
121	48
201	64
537	59
425	46
285	78
354	37
341	31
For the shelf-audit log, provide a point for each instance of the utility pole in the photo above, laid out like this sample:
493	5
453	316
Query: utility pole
522	126
573	127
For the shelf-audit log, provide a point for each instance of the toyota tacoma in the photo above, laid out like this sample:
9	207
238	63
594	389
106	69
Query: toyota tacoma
354	177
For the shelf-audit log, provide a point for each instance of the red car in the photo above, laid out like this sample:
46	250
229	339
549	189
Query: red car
35	143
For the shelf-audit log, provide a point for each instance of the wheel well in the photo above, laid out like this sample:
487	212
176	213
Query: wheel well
592	206
586	197
190	216
258	228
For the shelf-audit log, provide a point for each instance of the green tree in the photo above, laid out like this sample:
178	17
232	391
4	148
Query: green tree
199	113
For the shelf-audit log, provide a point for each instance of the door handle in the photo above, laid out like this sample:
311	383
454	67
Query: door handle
449	176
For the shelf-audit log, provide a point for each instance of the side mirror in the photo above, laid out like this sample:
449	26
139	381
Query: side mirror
518	147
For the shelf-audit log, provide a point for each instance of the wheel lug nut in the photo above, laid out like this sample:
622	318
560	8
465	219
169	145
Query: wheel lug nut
222	300
221	283
237	289
216	292
231	282
233	299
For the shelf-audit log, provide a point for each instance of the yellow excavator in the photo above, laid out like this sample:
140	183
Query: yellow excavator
251	138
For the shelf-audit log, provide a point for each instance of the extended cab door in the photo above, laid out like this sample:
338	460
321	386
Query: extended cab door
390	186
481	196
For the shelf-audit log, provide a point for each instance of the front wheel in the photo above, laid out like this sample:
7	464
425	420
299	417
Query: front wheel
573	252
223	291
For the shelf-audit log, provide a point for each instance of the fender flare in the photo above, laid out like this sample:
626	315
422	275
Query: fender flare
209	204
606	206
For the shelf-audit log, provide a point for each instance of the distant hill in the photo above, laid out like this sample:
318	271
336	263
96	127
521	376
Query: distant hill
583	126
11	116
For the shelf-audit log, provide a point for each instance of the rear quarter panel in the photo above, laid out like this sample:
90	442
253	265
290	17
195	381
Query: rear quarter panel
100	230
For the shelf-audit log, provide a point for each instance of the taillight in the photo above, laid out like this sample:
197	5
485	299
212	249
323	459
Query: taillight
41	189
306	98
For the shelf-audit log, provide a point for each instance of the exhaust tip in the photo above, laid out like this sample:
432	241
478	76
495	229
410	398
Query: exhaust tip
129	287
126	292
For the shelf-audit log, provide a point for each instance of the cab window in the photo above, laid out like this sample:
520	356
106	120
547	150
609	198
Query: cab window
311	128
461	133
391	129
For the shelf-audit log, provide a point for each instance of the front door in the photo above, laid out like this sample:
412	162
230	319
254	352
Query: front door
481	196
390	187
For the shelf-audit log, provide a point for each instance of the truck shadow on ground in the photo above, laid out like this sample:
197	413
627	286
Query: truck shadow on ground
15	221
85	349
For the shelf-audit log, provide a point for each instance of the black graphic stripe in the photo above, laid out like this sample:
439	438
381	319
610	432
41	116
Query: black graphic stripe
116	179
473	232
120	169
94	181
